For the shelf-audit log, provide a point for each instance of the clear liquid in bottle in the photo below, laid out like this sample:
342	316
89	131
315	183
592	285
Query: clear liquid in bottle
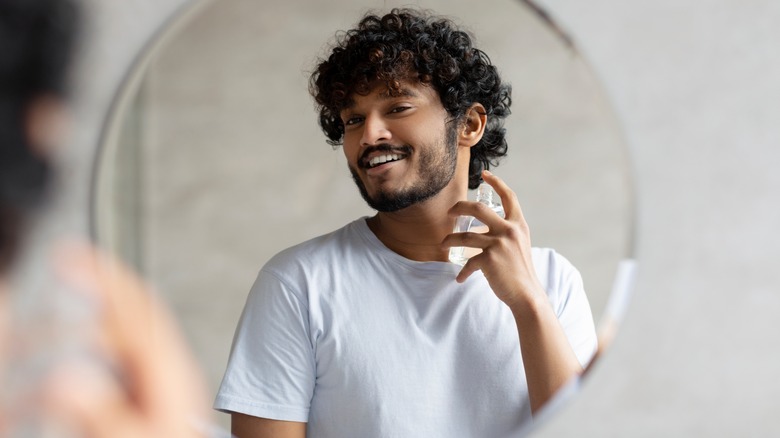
486	195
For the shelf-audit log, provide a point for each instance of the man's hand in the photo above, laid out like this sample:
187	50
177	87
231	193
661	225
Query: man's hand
548	359
506	248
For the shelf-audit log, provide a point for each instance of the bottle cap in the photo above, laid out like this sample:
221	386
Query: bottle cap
485	194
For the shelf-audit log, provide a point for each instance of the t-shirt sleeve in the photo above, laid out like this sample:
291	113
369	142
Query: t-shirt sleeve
573	309
271	369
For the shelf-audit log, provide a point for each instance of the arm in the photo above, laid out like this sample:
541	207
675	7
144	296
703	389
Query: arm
161	392
548	358
247	426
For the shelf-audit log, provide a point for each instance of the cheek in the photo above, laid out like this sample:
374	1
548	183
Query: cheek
349	149
351	158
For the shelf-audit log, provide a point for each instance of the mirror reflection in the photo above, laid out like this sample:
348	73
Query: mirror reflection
214	160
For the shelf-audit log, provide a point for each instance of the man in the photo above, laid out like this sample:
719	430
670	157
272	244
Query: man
47	388
369	331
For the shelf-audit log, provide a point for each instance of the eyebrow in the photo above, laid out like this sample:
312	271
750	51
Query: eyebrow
403	92
387	95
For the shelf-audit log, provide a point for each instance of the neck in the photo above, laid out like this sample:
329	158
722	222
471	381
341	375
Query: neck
416	232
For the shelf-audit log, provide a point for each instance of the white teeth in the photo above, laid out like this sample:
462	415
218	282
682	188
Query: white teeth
379	159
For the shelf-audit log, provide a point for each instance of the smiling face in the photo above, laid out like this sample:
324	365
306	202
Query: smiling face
401	148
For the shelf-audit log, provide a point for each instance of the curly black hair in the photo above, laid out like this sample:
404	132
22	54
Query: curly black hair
408	44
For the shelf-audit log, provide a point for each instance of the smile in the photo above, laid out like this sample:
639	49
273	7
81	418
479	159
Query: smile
382	159
383	154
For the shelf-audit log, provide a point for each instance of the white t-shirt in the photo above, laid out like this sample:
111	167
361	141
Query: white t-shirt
358	341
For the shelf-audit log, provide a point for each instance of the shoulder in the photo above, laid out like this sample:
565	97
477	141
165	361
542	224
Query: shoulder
557	274
325	250
549	263
291	271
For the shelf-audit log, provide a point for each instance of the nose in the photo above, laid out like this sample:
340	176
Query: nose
375	131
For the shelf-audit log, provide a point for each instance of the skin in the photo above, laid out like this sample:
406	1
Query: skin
47	122
423	231
248	426
161	392
431	166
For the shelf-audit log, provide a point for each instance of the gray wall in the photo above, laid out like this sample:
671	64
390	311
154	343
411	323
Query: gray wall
696	88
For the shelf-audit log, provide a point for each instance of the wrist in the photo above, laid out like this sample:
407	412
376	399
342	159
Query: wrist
530	304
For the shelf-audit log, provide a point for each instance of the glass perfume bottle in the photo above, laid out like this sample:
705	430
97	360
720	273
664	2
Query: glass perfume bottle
486	195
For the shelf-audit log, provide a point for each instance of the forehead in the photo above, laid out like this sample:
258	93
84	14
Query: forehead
380	91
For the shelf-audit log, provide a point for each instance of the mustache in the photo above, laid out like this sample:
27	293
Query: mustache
383	147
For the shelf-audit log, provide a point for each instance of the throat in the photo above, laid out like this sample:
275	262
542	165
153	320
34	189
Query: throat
413	240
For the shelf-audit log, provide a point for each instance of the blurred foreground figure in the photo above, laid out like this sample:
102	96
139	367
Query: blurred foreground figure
95	355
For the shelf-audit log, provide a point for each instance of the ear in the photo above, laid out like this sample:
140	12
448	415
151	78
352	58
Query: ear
46	120
473	126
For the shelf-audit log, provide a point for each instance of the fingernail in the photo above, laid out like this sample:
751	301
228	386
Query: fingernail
487	172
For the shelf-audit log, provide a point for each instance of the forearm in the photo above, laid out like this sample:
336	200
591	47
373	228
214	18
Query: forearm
548	359
246	426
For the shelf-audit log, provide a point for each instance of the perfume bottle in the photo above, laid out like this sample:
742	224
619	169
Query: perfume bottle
486	195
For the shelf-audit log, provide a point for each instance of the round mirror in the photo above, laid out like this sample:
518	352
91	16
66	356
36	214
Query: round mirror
212	159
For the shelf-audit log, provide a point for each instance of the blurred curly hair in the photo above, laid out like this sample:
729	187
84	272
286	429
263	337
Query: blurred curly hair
409	44
37	41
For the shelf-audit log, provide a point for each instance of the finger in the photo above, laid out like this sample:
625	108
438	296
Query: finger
479	210
472	265
512	210
470	240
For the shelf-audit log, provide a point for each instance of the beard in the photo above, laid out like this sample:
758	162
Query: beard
436	167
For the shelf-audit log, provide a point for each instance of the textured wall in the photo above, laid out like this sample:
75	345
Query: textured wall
696	86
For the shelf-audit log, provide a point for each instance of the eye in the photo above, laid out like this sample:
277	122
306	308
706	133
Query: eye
399	109
354	120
